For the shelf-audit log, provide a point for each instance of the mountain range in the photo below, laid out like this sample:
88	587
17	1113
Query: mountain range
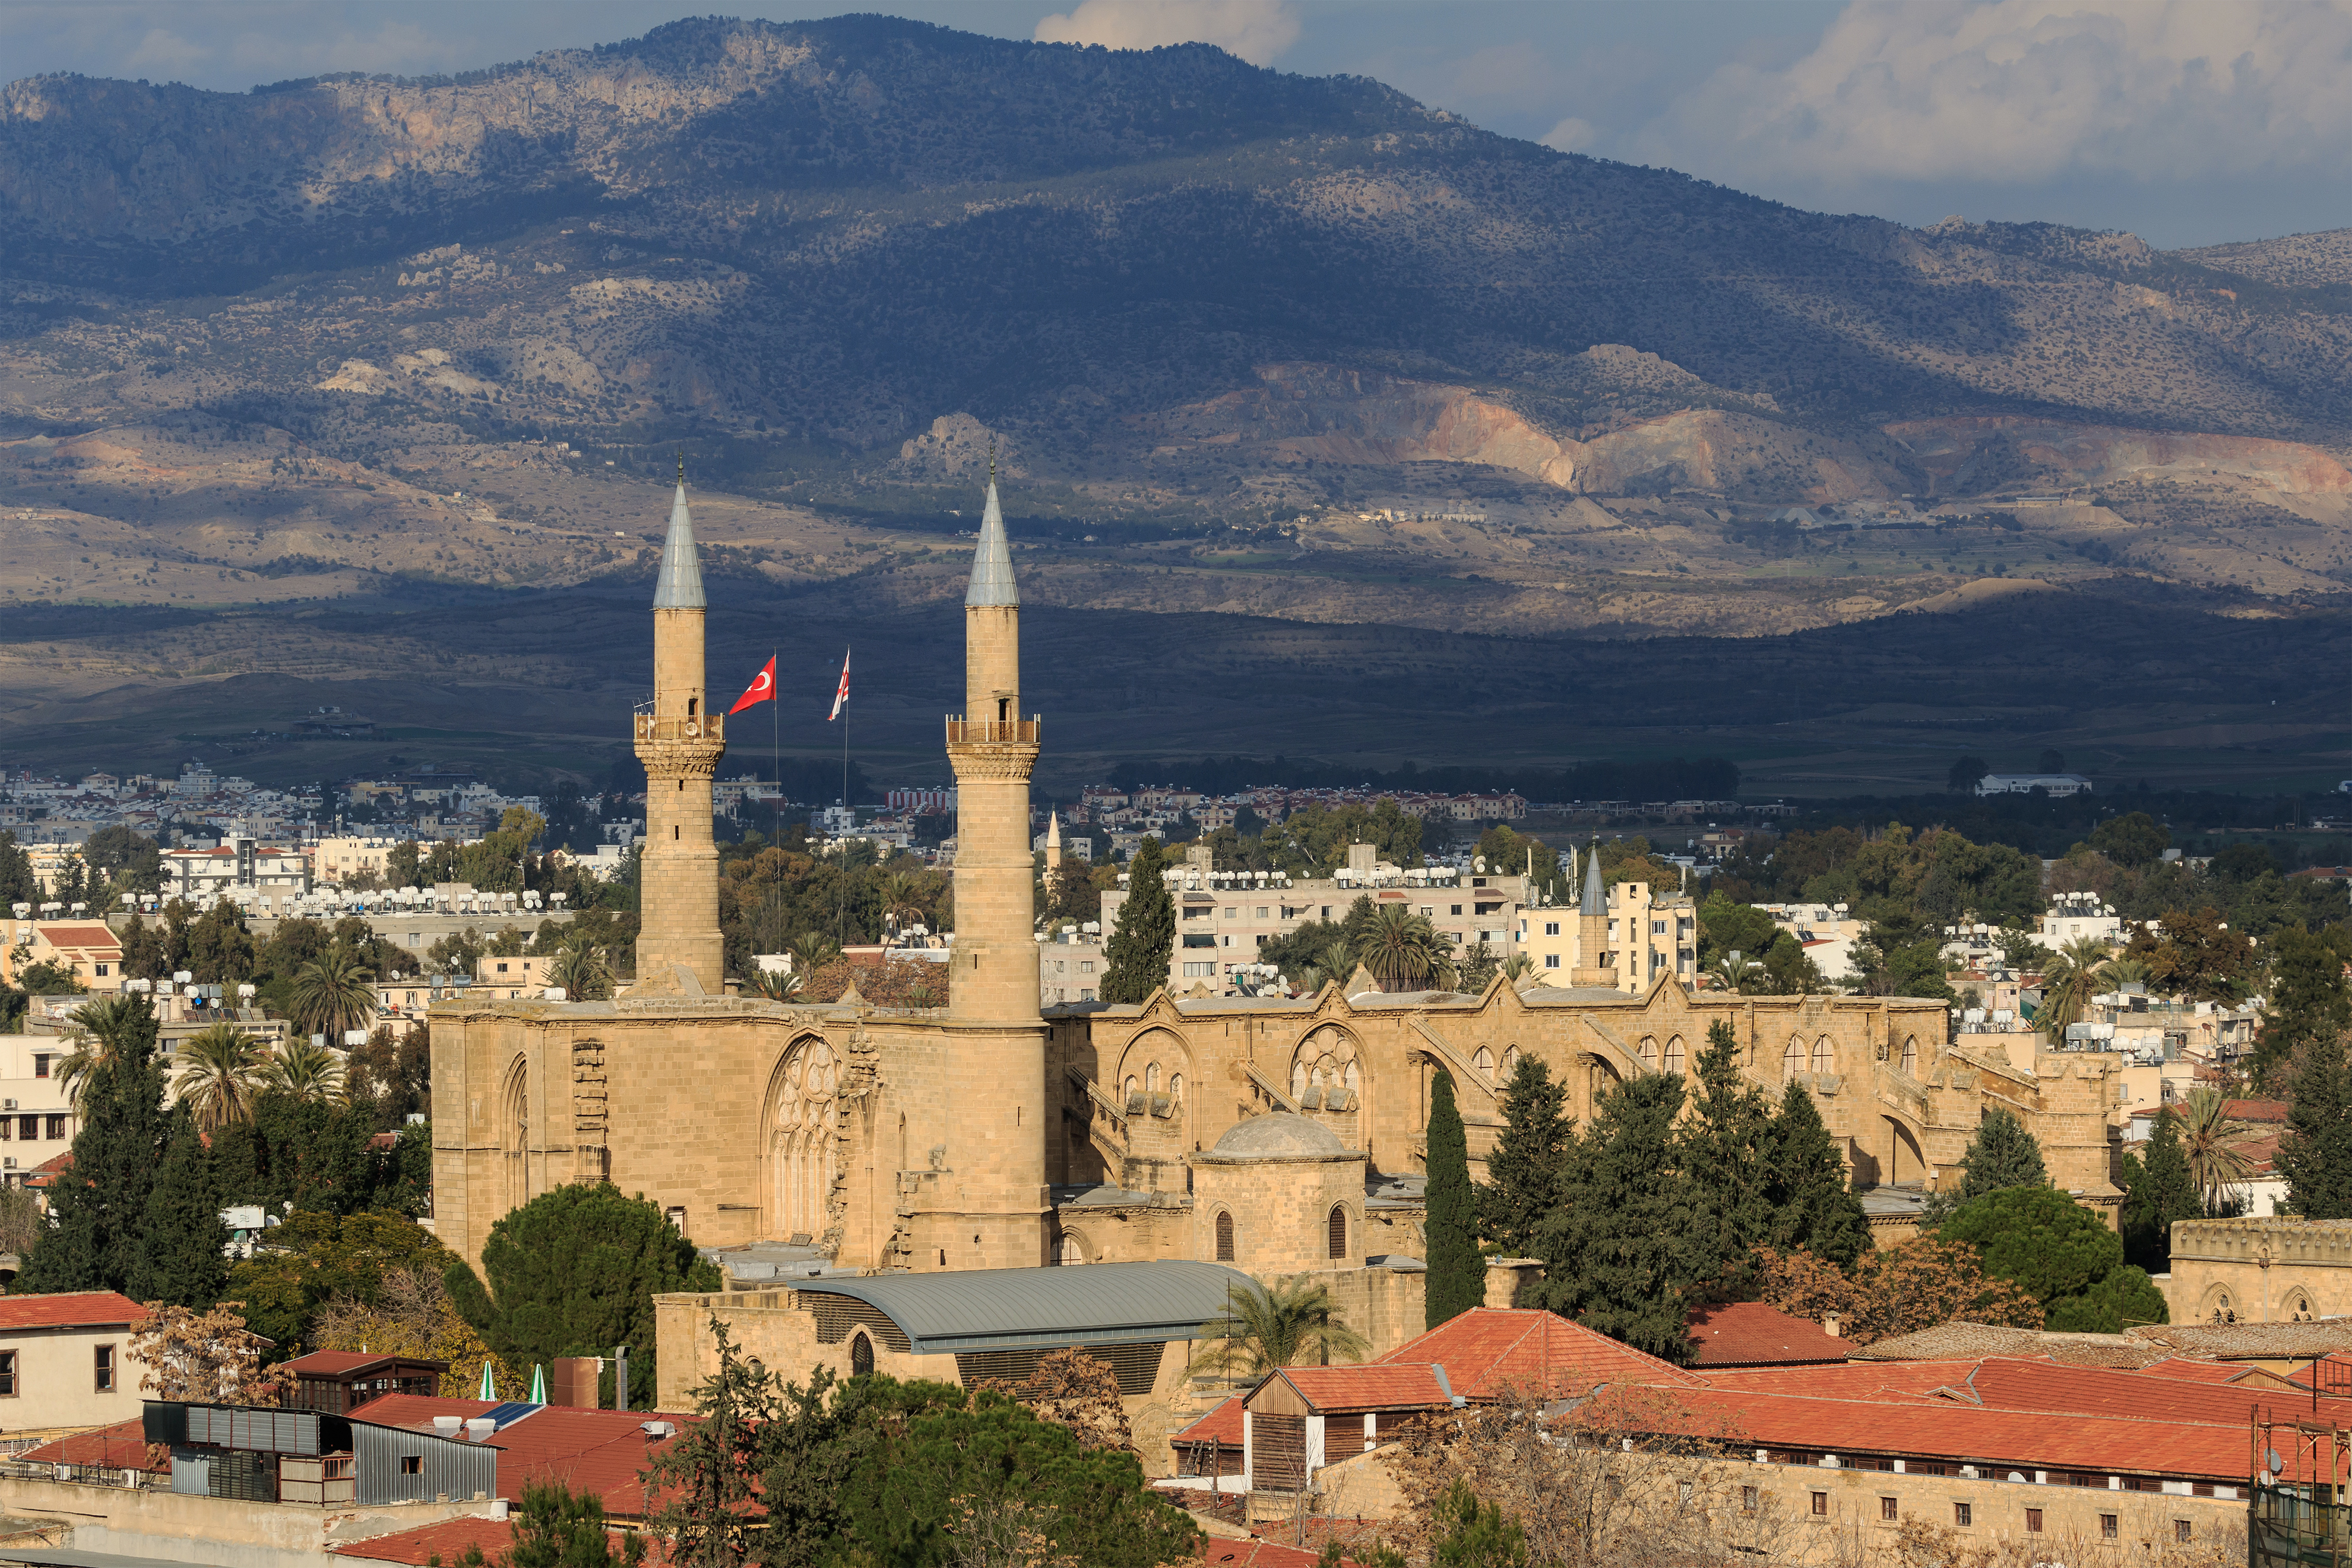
1246	345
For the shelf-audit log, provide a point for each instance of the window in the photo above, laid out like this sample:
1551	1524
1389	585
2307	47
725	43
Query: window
1457	909
1962	1515
1657	927
1085	966
1887	1508
2107	1526
1747	1500
102	972
1224	1237
411	1464
1551	961
1196	971
676	1216
1261	911
56	1128
1551	928
7	1375
2033	1521
40	1066
1822	1504
861	1354
2181	1532
1339	1231
102	1369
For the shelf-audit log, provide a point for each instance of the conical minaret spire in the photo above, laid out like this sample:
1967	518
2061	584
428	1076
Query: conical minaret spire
1595	965
680	586
991	563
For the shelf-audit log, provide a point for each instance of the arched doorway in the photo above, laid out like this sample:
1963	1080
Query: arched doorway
801	1154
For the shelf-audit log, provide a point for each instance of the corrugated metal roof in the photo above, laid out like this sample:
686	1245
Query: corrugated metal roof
680	586
991	563
1012	1309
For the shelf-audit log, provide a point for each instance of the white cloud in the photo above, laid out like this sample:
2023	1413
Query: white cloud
1570	136
1256	30
2032	90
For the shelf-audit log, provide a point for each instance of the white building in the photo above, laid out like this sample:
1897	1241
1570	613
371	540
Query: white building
1828	934
2072	915
36	1120
242	866
65	1361
2057	785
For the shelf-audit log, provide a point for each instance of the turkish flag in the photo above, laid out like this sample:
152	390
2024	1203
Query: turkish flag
761	689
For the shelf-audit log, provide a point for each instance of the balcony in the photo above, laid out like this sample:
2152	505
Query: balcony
992	732
703	727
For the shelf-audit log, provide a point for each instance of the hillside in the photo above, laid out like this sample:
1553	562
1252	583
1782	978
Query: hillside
1251	345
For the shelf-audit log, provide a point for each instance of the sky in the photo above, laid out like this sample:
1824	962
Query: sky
2186	121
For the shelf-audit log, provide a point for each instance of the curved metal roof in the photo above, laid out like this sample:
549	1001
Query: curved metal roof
1013	1309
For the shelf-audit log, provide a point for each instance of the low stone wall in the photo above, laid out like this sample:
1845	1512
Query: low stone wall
149	1521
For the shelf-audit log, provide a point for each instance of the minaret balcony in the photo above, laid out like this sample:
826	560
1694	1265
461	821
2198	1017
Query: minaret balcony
993	732
702	727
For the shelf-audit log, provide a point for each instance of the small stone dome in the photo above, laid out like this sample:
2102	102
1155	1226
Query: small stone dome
1278	1135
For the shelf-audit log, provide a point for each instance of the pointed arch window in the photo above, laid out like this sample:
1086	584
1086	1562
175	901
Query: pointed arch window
1824	1055
1676	1054
1338	1230
1792	1060
861	1354
1910	1061
1648	1051
1224	1237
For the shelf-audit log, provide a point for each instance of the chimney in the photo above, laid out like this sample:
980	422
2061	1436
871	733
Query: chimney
1831	1327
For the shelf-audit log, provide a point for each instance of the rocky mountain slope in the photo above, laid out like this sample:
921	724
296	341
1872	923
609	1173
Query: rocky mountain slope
1249	345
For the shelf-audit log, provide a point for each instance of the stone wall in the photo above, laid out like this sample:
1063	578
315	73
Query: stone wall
2270	1270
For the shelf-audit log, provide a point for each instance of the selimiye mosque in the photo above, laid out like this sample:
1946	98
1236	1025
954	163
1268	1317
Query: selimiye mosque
1274	1136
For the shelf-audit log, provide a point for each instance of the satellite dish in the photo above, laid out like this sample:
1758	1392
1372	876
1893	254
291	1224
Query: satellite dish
2271	1461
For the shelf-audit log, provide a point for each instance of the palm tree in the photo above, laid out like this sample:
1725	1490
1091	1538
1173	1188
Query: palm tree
2205	1132
99	1030
1517	967
304	1072
1735	975
812	950
1402	951
776	985
1266	1326
1332	966
902	903
220	1074
334	993
2126	972
2078	975
581	970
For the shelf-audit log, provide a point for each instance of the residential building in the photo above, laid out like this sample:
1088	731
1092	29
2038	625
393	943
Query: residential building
1649	934
66	1362
2056	785
2073	915
1069	967
345	857
242	868
1828	934
86	948
37	1120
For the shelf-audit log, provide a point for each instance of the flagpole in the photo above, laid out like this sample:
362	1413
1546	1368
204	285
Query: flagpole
775	753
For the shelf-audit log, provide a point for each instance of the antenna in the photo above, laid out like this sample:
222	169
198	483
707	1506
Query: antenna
991	460
681	464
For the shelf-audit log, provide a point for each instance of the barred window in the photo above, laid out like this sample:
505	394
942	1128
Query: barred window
1339	1231
1224	1237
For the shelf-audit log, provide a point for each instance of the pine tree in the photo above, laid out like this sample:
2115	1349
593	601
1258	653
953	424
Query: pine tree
2310	1000
1523	1173
2001	1155
99	1207
1614	1252
1458	1276
1135	960
2159	1190
2315	1152
1722	1154
1814	1206
184	1262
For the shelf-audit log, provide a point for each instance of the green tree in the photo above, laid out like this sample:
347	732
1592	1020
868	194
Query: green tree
2078	973
310	1154
556	1528
219	951
1614	1253
1721	1152
1476	1537
579	968
704	1488
2206	1132
1523	1173
2315	1151
2310	1000
105	1211
575	1272
1965	773
2001	1155
1458	1275
2132	839
2059	1253
1402	951
1814	1206
183	1259
1266	1326
302	1072
1135	960
333	992
315	1258
2159	1190
219	1076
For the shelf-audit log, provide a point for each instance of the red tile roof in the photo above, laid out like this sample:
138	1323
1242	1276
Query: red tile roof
1223	1425
79	936
2255	1109
1489	1349
591	1450
1381	1385
345	1363
1749	1334
1220	1554
121	1446
68	1310
444	1543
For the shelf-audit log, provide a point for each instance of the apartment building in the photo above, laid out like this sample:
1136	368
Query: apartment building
242	866
1650	934
36	1118
85	949
1223	918
344	857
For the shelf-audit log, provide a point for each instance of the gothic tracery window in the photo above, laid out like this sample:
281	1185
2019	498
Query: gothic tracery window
802	1137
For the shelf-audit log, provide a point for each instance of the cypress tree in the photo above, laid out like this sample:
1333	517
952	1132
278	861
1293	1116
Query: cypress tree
1814	1206
2158	1191
1458	1275
1614	1252
1722	1155
2001	1155
2316	1151
1523	1173
1135	960
99	1208
2310	1001
184	1261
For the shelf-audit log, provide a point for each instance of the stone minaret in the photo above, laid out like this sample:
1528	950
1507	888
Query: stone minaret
996	1146
679	740
1593	959
1053	845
